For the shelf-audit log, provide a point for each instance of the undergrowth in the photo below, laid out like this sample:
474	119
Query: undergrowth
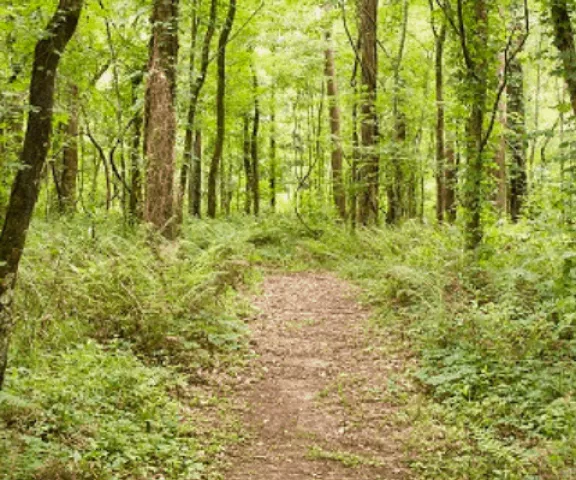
114	324
495	341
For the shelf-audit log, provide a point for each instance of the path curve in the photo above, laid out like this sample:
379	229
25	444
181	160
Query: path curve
316	404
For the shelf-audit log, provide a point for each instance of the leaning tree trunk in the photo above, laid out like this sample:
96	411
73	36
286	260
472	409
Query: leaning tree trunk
220	109
369	170
33	158
160	129
335	129
564	41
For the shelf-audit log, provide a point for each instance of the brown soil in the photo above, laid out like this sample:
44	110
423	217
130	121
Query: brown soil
317	405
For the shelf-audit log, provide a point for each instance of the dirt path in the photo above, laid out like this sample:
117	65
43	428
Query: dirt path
316	404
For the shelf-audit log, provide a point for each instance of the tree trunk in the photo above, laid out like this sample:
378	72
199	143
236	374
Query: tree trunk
135	201
273	154
450	183
195	184
33	158
500	170
478	79
397	184
516	118
220	109
70	155
160	129
335	130
247	166
440	125
564	41
369	168
193	163
254	151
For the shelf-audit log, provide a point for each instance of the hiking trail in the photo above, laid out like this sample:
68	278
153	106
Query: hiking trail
316	404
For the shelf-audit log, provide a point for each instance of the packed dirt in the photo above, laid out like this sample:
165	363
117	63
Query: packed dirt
317	404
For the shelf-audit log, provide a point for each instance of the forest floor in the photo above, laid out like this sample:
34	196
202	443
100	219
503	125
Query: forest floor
315	400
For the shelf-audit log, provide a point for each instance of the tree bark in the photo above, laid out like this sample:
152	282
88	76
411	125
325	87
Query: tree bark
160	128
440	125
273	154
26	186
397	184
564	41
70	155
450	183
339	193
516	119
369	168
193	163
135	201
254	148
220	109
248	172
477	69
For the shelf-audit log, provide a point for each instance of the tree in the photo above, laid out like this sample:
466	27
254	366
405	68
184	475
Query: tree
440	40
254	146
26	187
70	154
517	131
160	118
220	109
337	155
193	163
564	41
369	169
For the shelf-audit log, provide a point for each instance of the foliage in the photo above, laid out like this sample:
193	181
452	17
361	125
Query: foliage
106	334
495	342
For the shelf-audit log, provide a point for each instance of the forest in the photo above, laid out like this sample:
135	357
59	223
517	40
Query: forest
287	239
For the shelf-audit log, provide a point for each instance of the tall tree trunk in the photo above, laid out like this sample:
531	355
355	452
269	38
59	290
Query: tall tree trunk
369	168
273	155
478	78
220	109
397	183
564	41
500	169
516	117
339	192
70	154
254	148
160	129
193	163
26	186
247	150
135	201
440	124
450	182
195	184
